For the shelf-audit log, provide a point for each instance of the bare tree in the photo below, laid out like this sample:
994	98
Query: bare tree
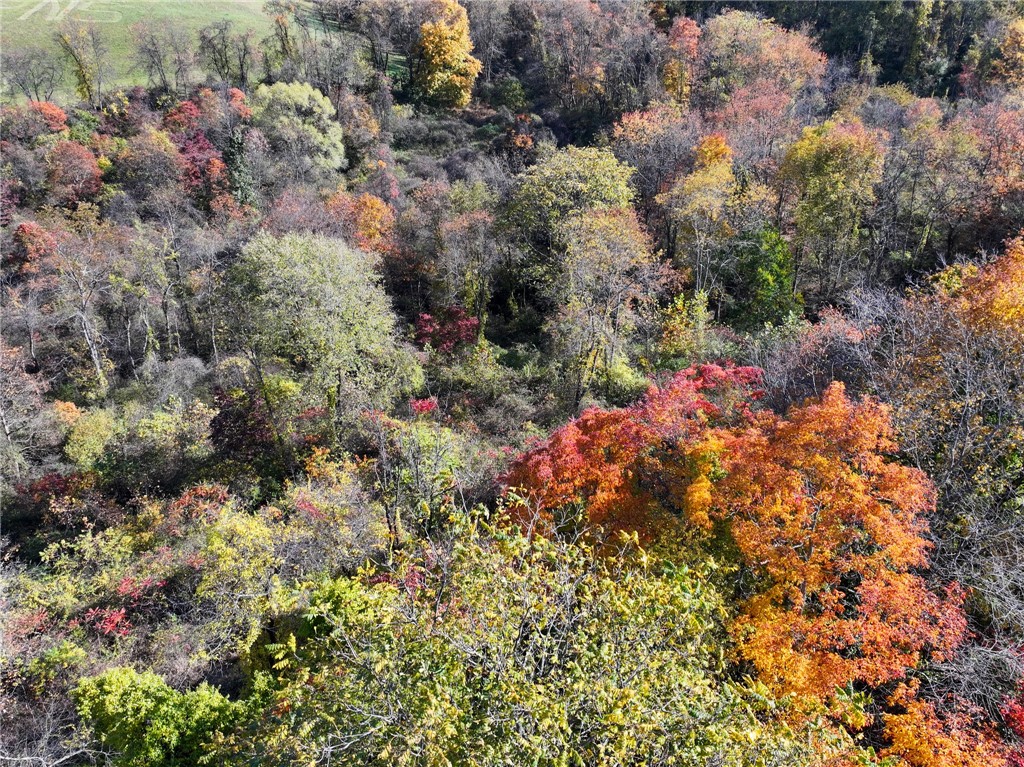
229	55
166	54
86	51
33	71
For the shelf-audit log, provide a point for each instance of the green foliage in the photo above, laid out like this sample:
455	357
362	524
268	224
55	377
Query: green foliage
89	437
239	574
518	650
146	723
832	171
689	335
317	303
765	274
566	183
299	122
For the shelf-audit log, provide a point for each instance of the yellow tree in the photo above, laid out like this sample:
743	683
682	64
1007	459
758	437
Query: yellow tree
706	208
1010	66
445	70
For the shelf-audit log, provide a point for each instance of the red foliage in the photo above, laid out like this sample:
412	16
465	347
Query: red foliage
183	118
53	116
198	158
73	173
448	331
1013	712
26	124
832	530
632	465
423	406
109	621
202	503
683	38
133	589
32	243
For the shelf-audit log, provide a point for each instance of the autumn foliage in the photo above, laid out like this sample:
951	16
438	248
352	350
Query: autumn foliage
627	468
836	530
830	530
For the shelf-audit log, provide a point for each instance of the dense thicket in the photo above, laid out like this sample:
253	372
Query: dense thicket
517	382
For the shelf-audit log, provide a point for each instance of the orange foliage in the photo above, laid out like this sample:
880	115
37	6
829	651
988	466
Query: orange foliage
367	220
646	127
630	466
55	118
834	529
830	528
922	737
994	296
711	150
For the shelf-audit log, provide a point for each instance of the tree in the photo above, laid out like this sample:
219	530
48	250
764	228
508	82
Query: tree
73	173
27	424
598	64
444	71
468	260
828	531
658	142
167	55
568	182
146	722
736	49
87	53
506	649
698	207
389	26
764	289
151	168
230	56
634	468
299	123
367	221
34	71
836	531
830	174
488	26
317	302
678	73
1009	66
603	276
949	361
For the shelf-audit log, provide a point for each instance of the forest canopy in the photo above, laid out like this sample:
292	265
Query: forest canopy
504	382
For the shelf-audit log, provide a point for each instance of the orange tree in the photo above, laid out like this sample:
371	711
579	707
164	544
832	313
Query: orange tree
825	531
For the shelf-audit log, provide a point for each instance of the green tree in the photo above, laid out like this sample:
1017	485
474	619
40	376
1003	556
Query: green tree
316	303
299	122
764	291
513	649
565	183
149	724
605	272
830	174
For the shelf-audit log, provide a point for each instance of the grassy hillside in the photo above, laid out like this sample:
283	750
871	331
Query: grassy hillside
34	22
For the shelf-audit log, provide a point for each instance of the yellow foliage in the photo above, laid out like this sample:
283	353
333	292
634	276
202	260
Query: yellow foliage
446	70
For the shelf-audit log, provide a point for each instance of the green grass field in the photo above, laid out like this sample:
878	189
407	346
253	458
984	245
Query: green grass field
34	22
